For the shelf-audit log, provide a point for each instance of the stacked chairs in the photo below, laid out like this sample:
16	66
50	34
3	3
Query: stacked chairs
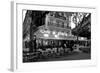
52	52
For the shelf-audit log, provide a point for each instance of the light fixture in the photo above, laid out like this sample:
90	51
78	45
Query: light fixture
66	34
56	36
53	32
46	35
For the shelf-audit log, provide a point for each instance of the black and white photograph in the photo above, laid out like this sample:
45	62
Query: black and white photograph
48	36
55	36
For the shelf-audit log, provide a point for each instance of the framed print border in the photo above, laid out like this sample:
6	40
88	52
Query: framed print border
16	36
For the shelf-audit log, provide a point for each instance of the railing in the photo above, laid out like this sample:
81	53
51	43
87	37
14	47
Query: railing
57	22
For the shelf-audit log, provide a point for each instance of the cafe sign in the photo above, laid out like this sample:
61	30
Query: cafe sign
53	32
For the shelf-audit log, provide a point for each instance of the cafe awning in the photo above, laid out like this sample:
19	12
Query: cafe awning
50	34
